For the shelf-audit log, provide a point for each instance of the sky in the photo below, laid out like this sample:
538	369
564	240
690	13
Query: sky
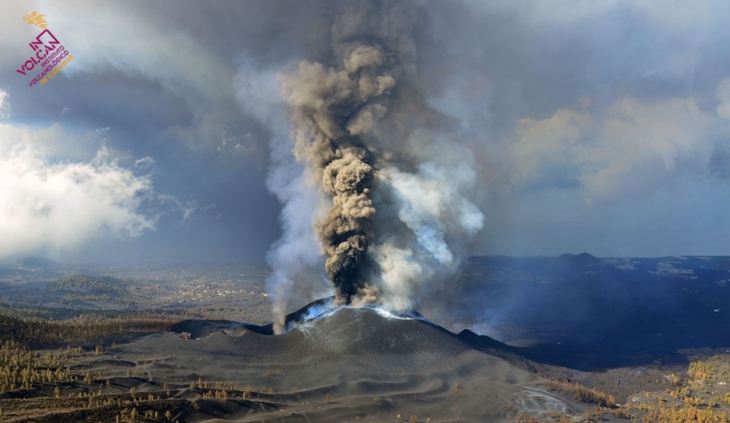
595	126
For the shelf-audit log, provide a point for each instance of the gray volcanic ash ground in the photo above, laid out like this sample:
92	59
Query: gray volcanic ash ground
352	363
371	365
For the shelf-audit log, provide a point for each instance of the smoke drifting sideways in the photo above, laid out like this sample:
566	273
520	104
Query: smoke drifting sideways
394	205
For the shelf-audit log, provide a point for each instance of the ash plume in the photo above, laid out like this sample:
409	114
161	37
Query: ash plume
330	111
334	110
398	191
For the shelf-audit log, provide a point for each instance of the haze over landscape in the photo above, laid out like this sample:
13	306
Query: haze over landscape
329	210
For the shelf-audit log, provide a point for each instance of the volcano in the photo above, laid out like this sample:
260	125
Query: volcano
335	364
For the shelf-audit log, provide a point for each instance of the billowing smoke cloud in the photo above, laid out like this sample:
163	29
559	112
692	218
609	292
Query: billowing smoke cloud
331	109
400	190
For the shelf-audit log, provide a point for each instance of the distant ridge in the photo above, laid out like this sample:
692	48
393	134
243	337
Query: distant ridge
582	259
725	264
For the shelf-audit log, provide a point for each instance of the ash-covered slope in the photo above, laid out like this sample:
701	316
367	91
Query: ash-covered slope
362	330
318	328
202	328
344	334
343	363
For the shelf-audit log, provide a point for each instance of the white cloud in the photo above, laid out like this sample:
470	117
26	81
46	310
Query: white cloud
630	148
4	105
48	206
675	13
723	94
541	145
641	145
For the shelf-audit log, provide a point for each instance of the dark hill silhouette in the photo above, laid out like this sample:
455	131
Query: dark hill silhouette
580	260
724	263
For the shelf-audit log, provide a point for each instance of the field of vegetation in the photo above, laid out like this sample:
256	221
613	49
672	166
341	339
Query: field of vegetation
700	395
